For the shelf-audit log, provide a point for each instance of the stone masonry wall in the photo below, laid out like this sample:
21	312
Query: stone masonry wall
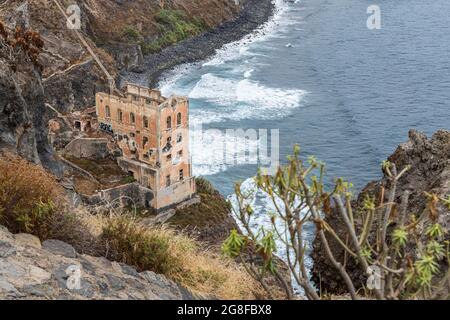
88	148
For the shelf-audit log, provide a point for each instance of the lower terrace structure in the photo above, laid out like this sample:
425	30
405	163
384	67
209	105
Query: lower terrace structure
153	133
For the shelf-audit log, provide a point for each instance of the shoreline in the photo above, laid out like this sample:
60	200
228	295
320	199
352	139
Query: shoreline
253	15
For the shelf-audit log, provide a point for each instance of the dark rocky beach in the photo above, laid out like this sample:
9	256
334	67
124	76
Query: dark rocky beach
253	14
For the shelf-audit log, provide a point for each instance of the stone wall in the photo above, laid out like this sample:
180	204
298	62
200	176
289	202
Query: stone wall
129	194
175	194
90	148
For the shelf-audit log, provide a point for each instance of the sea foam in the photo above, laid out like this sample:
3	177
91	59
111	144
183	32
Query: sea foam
244	99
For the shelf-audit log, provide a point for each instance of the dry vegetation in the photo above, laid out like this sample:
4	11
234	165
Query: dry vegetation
28	197
21	44
31	201
178	257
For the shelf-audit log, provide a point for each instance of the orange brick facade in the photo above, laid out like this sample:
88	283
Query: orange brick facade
153	134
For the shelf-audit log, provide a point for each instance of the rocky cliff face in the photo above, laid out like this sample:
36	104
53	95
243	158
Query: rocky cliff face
23	115
31	270
70	77
430	172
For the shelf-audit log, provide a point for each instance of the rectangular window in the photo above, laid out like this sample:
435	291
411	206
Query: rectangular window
179	138
181	175
168	182
180	153
144	142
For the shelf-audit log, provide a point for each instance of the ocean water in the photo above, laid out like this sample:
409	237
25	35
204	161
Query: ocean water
315	72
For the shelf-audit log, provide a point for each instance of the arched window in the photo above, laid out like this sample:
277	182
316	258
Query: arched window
119	115
108	112
132	118
145	122
179	119
169	122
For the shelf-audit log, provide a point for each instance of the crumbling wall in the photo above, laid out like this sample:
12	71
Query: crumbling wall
90	148
131	194
175	194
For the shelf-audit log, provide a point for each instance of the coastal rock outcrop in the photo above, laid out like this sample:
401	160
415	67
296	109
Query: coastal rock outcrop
429	159
53	270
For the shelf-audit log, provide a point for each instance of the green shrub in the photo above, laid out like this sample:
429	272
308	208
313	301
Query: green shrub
129	179
401	255
204	186
131	33
174	26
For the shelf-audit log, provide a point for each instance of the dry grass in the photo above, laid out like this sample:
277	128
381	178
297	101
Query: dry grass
29	197
178	257
32	201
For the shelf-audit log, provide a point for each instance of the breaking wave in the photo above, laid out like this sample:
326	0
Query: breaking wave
209	151
241	100
238	49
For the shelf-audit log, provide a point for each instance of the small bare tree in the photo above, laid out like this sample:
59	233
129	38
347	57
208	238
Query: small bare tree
404	256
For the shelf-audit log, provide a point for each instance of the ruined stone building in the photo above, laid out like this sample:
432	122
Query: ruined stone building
153	134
